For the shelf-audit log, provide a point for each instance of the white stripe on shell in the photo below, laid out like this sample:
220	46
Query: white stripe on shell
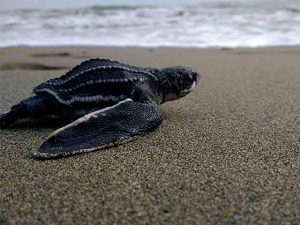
87	117
93	98
56	83
93	82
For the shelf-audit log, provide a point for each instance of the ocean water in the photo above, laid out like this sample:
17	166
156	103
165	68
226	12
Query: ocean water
218	23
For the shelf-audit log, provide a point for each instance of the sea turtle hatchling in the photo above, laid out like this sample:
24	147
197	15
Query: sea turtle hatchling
109	103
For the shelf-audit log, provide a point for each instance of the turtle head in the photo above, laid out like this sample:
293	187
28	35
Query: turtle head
179	82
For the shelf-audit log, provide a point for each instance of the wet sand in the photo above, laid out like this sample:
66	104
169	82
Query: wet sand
229	153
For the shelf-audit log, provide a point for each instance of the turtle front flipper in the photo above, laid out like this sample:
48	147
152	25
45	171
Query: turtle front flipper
103	128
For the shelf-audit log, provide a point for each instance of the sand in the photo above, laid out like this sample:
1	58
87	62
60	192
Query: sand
226	154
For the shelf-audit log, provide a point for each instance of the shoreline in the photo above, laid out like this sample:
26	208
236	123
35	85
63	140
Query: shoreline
154	47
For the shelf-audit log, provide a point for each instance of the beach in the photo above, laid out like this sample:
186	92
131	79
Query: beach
228	153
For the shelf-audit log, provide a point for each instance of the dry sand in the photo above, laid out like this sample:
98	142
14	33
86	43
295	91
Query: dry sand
226	154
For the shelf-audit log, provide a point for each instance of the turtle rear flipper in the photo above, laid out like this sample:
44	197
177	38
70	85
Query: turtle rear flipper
7	119
35	107
112	125
20	111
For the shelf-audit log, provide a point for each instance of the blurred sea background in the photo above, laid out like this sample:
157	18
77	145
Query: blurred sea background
179	23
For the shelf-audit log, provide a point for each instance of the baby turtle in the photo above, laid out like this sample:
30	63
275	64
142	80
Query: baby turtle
109	103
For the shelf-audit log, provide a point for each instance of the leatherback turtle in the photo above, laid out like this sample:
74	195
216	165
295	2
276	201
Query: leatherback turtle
109	103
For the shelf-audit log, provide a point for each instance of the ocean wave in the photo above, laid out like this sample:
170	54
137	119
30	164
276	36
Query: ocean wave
209	24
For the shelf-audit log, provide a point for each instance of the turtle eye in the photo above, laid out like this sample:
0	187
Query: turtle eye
188	81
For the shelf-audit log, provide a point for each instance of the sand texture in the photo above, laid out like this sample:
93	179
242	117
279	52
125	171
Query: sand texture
229	153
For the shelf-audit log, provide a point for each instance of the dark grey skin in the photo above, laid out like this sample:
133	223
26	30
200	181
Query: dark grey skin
108	102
